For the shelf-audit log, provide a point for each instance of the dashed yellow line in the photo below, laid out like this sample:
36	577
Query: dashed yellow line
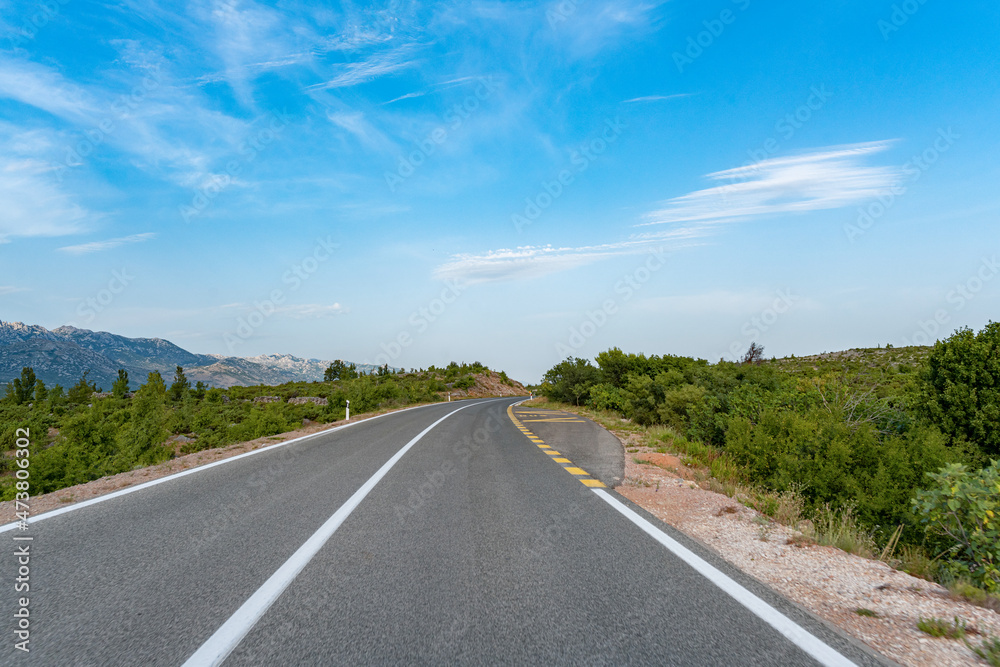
579	473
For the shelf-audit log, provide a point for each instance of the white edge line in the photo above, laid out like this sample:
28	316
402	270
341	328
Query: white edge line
791	630
218	647
145	485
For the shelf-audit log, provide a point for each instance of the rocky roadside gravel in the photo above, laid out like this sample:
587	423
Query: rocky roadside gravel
829	582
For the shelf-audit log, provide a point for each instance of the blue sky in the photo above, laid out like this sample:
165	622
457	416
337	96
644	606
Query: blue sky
508	182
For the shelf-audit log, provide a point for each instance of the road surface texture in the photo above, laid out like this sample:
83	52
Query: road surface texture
389	542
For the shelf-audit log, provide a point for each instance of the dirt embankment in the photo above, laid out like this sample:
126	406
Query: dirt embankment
490	384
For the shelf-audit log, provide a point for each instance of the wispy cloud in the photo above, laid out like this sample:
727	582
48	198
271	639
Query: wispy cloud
357	124
250	38
527	262
372	67
10	289
655	98
588	28
32	203
311	311
826	179
831	178
45	89
407	96
97	246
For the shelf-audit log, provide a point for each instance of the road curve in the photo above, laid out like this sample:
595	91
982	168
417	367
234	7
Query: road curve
466	544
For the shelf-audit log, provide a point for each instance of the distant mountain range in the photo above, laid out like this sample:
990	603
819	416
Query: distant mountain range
62	355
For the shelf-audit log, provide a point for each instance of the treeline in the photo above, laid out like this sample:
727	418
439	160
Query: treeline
836	432
83	434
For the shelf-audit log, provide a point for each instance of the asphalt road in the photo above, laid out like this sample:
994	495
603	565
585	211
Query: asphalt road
474	547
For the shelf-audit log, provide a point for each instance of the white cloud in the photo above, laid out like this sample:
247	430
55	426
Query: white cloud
406	97
357	124
311	311
528	262
655	98
97	246
588	28
250	38
46	89
32	203
161	122
372	67
831	178
825	179
10	289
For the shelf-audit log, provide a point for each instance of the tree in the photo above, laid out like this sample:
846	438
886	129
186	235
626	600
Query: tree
180	385
55	395
138	441
199	390
570	381
120	386
81	391
41	393
22	389
753	355
335	371
616	365
958	389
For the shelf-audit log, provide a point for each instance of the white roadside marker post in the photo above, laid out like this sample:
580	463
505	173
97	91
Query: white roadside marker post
348	417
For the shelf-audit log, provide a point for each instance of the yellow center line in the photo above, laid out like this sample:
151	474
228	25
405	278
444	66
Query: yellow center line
558	417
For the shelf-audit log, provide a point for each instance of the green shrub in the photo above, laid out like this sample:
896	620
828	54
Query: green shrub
570	381
606	396
937	627
678	405
989	651
961	511
959	388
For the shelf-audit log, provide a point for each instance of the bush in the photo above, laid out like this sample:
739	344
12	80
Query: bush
467	382
959	389
606	396
961	510
570	381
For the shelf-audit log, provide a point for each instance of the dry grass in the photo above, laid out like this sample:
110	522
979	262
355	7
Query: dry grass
842	530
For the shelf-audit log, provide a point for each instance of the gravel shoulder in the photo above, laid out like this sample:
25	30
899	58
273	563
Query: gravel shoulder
829	582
